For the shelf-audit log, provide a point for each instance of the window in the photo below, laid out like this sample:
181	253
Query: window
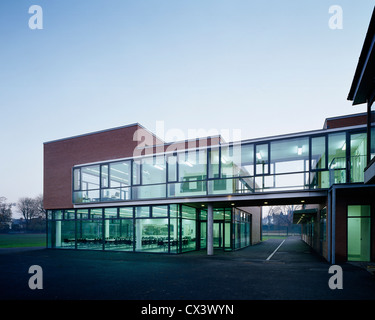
261	154
120	174
289	155
153	170
318	153
90	177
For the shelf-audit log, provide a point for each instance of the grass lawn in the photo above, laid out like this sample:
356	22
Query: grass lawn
18	240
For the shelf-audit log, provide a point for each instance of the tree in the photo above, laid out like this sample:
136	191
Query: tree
29	209
5	214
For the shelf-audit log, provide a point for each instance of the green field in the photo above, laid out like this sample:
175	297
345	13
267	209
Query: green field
18	240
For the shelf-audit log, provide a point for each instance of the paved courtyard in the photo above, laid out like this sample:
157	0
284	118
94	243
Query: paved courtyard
293	272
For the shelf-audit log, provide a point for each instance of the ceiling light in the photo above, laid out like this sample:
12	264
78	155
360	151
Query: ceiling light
259	156
344	147
158	167
299	151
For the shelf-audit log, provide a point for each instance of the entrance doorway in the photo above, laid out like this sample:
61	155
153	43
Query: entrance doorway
359	233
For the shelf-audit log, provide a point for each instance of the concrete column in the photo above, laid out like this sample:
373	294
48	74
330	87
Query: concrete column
58	234
210	229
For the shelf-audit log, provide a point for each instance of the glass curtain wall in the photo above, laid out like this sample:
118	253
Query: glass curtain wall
276	165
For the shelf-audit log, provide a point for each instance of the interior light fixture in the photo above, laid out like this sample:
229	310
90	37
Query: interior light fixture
259	156
158	167
232	204
299	151
344	147
188	164
302	201
265	202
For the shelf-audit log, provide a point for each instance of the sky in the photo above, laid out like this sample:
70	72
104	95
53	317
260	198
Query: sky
258	68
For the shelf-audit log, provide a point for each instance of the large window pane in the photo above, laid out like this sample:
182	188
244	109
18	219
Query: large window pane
213	165
247	160
230	161
261	153
77	179
172	168
90	177
337	151
153	170
90	234
358	152
119	174
119	234
192	165
289	155
318	153
151	235
188	235
149	192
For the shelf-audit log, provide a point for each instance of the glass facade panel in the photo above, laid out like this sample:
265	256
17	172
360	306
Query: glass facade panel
119	174
289	155
188	212
188	235
318	153
90	234
142	212
115	194
337	151
149	192
90	177
151	235
213	164
153	170
247	160
82	214
187	188
126	212
110	213
358	155
104	176
230	161
172	168
159	211
192	165
119	234
261	159
77	179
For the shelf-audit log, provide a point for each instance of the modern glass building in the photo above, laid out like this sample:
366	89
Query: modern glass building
125	189
174	198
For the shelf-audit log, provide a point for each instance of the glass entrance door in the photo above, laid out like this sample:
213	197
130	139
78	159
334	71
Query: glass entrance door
218	234
359	233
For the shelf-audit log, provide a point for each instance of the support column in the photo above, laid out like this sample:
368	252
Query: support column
210	229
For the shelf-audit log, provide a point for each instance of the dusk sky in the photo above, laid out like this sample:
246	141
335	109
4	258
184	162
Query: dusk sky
262	67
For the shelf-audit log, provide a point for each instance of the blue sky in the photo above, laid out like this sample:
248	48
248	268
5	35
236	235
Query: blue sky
262	67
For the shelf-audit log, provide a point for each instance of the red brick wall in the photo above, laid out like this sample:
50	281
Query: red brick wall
60	156
346	121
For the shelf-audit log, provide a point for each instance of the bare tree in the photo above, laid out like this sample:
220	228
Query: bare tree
5	214
29	209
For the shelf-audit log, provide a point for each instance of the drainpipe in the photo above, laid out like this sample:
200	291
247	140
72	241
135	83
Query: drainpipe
333	260
210	227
